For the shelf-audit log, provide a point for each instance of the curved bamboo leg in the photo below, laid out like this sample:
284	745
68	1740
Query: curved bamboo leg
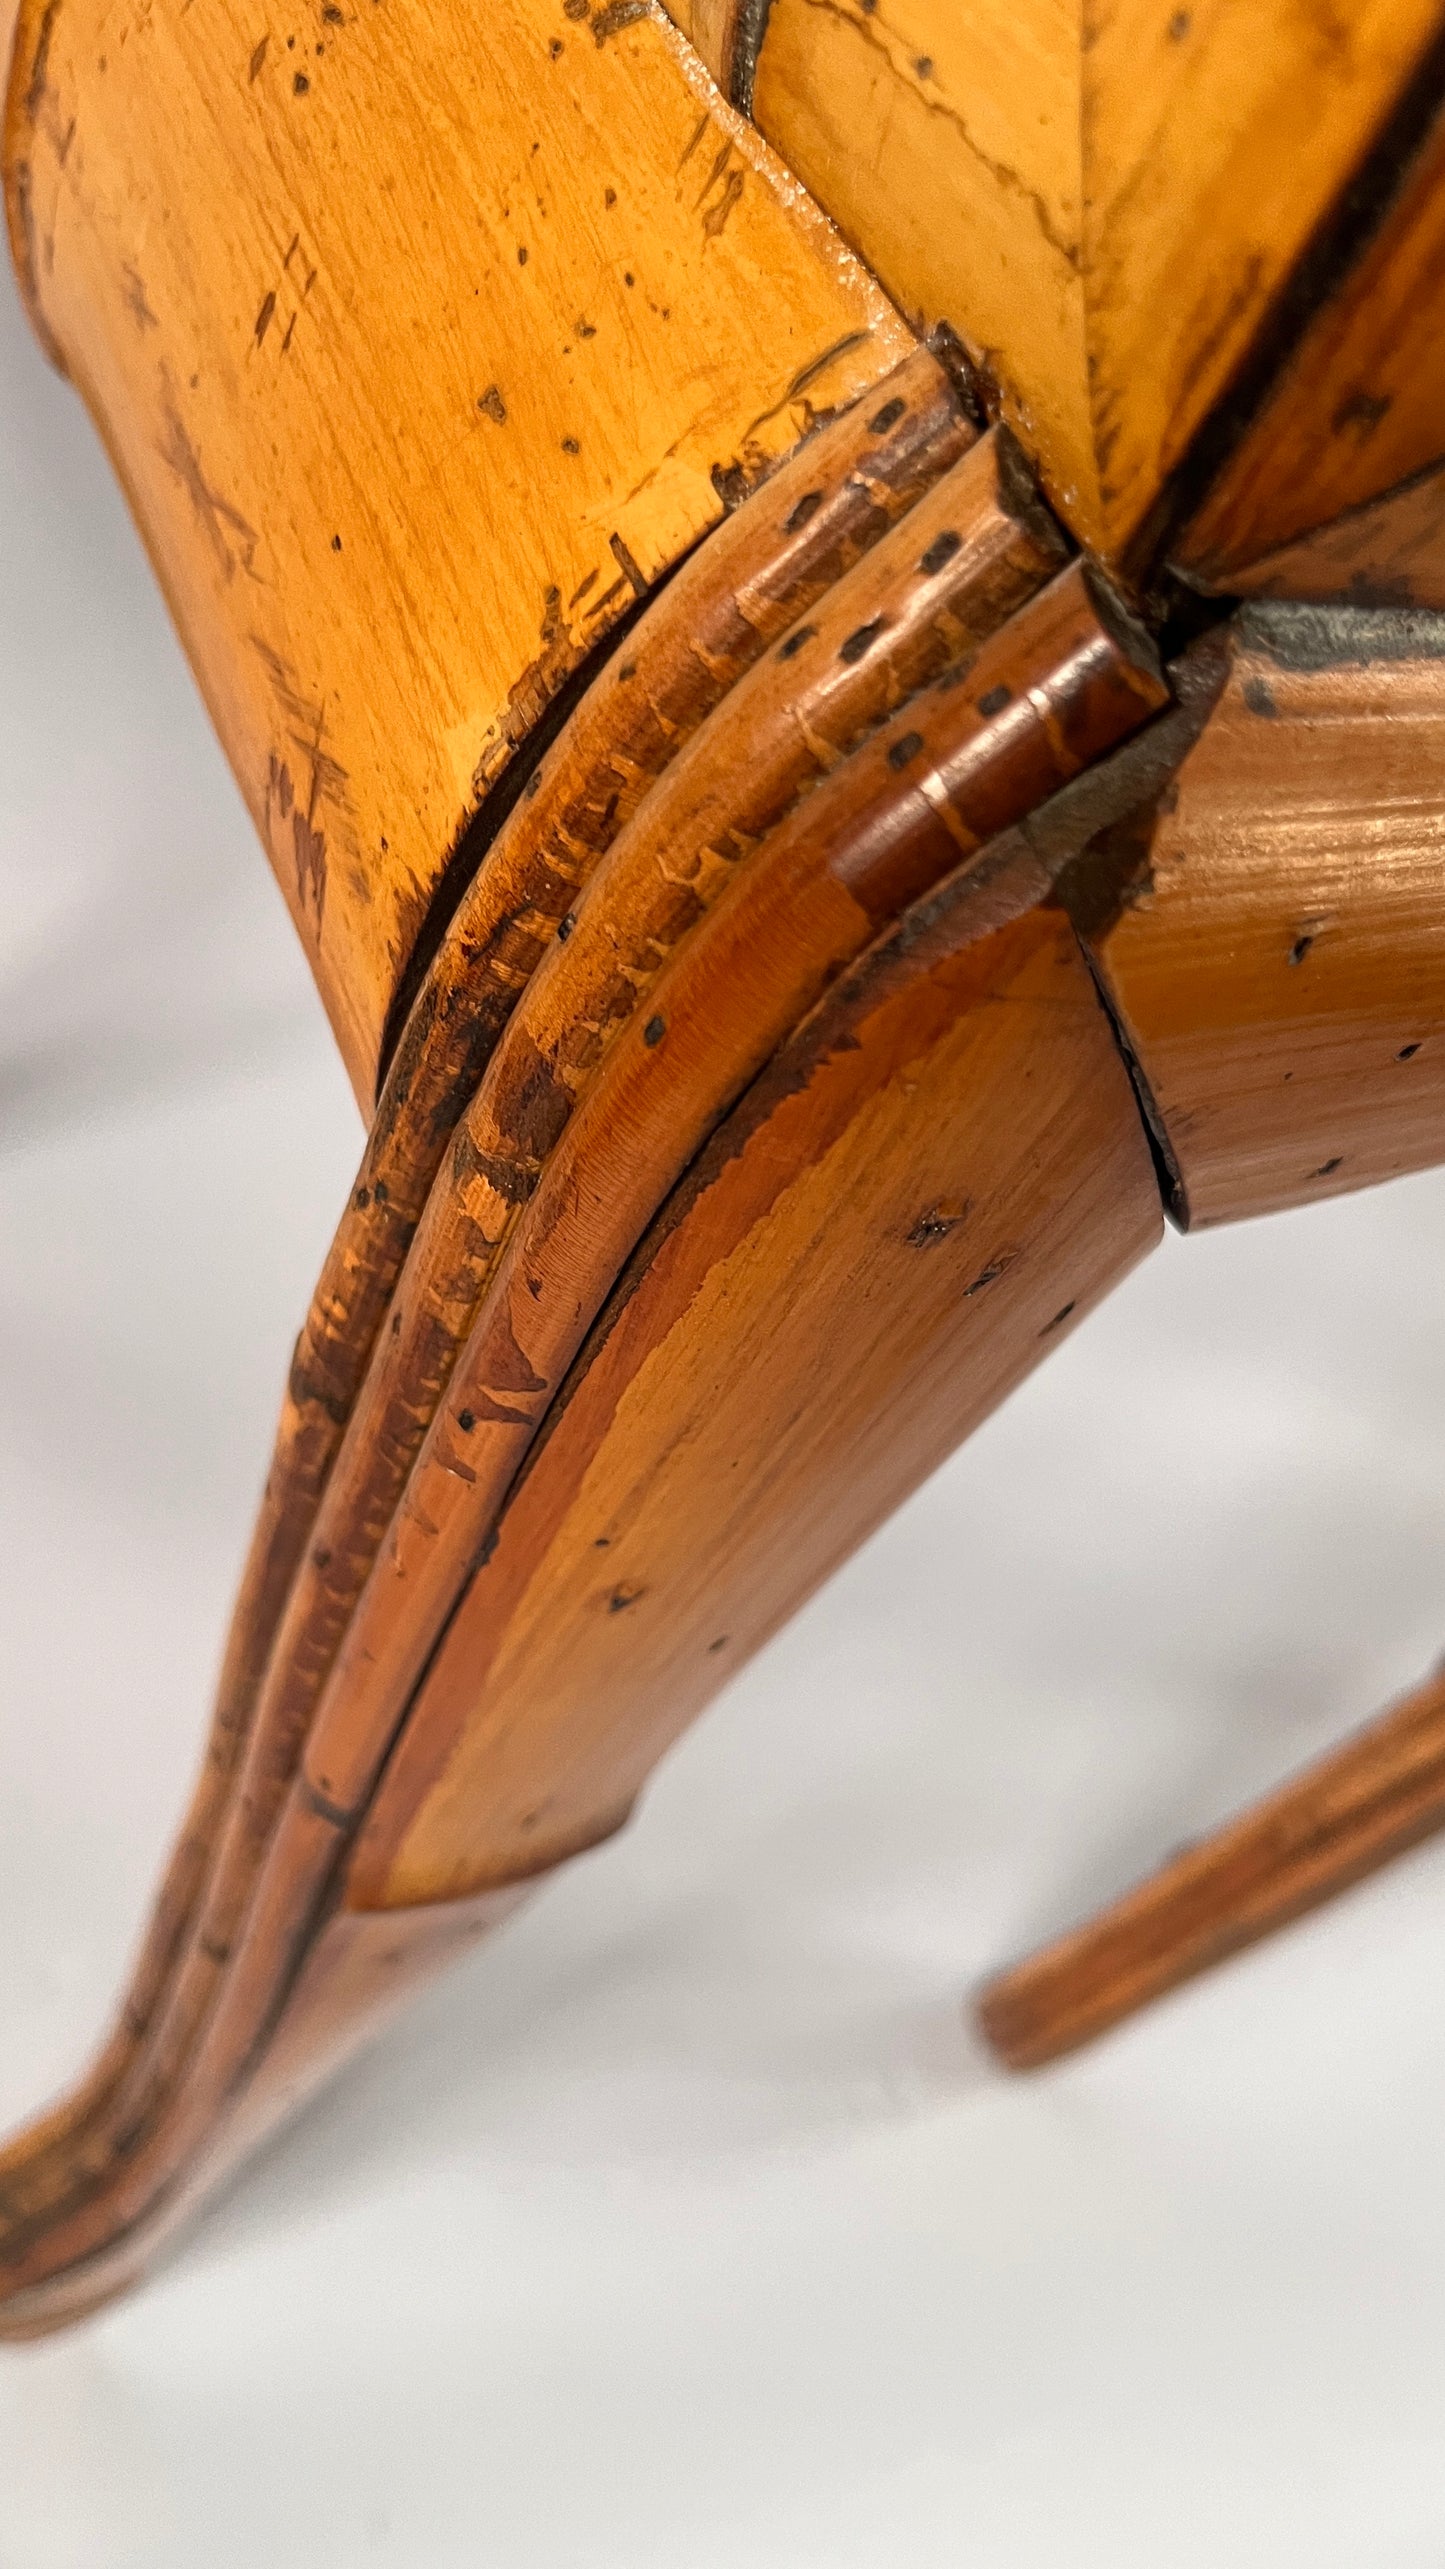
1341	1819
1055	687
781	551
934	588
968	1048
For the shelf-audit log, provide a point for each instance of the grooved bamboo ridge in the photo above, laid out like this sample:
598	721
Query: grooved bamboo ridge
1008	719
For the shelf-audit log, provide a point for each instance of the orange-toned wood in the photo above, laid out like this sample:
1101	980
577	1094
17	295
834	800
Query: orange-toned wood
767	563
946	142
748	969
357	1973
1341	1819
423	342
1390	553
962	1178
1129	212
1235	157
1357	406
1066	1199
974	545
953	766
712	27
1274	948
1052	690
510	1546
772	558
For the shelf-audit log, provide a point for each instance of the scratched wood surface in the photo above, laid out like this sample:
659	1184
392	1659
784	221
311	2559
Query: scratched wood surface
1277	961
1356	406
954	765
1054	688
832	1176
423	342
947	144
935	587
467	333
963	1178
1129	212
1367	1801
769	561
1388	553
773	557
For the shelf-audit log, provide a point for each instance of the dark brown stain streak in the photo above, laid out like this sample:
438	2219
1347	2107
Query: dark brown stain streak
133	288
232	539
327	783
1341	237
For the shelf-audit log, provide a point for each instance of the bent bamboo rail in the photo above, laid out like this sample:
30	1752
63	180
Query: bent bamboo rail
1339	1820
804	877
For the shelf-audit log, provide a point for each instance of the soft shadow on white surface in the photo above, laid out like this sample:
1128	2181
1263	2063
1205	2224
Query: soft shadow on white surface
685	2228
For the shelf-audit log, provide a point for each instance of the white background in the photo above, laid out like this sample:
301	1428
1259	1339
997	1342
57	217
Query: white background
686	2228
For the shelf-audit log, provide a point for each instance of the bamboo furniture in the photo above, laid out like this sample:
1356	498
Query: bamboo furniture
833	620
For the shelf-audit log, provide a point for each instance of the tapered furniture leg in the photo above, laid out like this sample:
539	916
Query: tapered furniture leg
798	842
1342	1818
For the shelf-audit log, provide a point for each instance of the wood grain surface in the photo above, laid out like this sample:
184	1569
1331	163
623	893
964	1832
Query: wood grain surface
1131	213
949	571
1055	687
1356	407
1276	957
1389	553
771	558
1368	1800
711	28
776	554
948	1156
1232	158
423	344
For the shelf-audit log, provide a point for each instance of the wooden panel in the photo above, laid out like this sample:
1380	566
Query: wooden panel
946	143
1357	407
1278	964
1348	1814
422	343
950	1156
1113	201
1389	554
1217	138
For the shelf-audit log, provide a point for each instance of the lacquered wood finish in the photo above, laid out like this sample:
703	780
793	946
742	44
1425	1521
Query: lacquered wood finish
948	1154
789	1004
1276	952
1345	1816
1389	553
1064	1182
1054	688
423	343
1174	237
359	1970
770	560
974	114
1356	407
593	980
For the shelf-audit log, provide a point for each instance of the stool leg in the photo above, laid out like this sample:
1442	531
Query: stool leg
1380	1792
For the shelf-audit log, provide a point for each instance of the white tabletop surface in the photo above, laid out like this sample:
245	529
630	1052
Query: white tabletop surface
685	2228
